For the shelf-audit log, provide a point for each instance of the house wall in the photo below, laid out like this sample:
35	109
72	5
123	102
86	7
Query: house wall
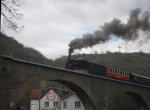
51	107
71	103
34	105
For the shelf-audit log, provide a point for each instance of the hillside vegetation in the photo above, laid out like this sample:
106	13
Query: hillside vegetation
8	45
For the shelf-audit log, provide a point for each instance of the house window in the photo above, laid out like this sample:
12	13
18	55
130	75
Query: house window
46	104
55	104
64	104
77	104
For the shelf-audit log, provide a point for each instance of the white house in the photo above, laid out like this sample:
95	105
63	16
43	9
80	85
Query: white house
55	99
71	102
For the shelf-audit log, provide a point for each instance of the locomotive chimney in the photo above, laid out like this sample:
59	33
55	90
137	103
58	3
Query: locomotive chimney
70	51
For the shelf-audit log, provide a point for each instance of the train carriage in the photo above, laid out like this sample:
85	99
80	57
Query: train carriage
117	74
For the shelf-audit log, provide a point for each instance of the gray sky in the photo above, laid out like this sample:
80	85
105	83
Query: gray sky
51	24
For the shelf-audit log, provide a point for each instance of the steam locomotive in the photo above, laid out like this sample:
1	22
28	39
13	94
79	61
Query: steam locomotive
100	70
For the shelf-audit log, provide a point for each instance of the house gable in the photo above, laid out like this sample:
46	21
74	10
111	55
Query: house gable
49	100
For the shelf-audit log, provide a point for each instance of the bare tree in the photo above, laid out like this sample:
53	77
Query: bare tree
10	14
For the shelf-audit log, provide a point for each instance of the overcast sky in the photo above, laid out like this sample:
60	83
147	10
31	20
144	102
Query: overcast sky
51	24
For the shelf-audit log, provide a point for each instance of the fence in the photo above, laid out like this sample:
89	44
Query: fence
26	57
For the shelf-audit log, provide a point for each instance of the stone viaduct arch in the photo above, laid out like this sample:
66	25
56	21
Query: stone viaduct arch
92	90
87	102
142	105
138	99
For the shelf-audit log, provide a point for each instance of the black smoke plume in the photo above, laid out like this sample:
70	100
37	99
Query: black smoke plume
129	31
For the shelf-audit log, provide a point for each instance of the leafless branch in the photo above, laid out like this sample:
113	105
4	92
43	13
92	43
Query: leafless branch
10	13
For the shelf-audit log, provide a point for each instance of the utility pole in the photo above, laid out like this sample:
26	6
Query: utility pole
119	47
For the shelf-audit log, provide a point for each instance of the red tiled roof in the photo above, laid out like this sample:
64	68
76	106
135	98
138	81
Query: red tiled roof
35	94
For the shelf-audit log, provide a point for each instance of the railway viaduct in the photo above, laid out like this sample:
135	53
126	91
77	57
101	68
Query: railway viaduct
95	92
